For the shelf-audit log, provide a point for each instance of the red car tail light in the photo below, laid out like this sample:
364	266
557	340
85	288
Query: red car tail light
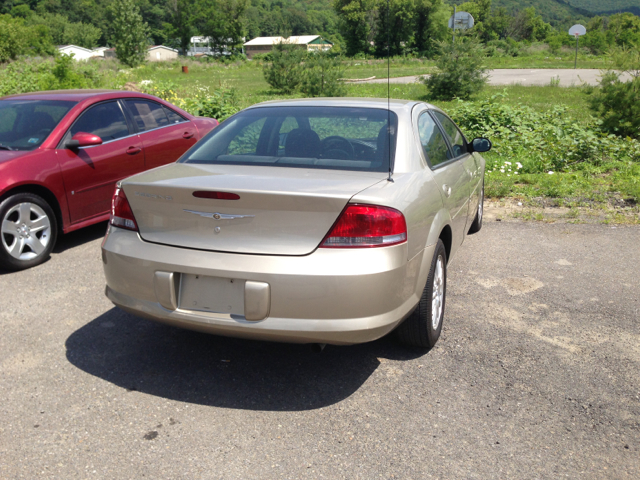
121	214
367	226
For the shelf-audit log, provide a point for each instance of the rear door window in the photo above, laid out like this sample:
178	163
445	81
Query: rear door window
105	120
173	116
433	143
147	115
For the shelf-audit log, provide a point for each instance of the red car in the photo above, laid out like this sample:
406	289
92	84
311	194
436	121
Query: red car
62	152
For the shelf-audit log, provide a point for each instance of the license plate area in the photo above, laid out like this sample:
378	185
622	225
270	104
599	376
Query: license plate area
211	294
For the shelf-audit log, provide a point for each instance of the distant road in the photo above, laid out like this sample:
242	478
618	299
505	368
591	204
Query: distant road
523	76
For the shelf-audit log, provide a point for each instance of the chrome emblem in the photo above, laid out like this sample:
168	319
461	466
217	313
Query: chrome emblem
154	196
219	216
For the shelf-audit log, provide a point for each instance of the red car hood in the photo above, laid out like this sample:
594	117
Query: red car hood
7	155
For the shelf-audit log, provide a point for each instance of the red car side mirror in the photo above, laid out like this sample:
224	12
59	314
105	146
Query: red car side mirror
82	139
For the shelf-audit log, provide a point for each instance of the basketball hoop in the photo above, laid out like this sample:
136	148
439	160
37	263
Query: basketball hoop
577	31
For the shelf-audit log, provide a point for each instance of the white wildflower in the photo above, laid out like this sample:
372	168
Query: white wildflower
146	82
550	172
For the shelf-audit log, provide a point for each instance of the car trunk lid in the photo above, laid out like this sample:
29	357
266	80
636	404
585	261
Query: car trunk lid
280	211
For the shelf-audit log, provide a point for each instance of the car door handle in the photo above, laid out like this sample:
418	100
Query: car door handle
447	190
187	135
133	150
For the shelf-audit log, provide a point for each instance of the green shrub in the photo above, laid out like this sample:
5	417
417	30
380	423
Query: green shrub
543	142
461	73
321	76
29	75
615	102
220	103
16	39
285	71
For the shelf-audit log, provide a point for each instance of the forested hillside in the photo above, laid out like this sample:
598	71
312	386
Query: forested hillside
608	6
34	27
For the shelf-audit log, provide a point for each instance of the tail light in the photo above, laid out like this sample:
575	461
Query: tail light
367	226
121	214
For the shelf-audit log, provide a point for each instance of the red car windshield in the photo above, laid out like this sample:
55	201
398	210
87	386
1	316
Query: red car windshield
25	124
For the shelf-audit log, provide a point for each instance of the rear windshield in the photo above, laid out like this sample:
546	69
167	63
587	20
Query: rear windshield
336	138
25	124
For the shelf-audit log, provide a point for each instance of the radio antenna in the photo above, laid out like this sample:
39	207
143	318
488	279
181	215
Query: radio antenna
389	179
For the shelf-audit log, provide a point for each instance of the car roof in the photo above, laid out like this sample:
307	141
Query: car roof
392	103
74	95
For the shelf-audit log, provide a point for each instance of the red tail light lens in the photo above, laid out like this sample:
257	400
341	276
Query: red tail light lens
367	226
121	214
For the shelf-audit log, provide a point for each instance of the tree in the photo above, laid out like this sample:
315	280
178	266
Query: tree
285	71
12	42
321	77
357	18
528	26
395	27
129	32
430	25
182	22
222	22
461	74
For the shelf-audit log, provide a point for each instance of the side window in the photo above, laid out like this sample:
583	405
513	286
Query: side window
433	143
147	115
458	145
173	116
246	141
105	120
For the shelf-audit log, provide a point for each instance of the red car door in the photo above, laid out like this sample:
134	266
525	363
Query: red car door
165	134
90	173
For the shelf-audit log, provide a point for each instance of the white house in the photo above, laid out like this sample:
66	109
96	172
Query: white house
79	53
99	52
159	53
265	44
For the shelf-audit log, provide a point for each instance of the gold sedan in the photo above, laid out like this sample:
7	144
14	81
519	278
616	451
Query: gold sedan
308	221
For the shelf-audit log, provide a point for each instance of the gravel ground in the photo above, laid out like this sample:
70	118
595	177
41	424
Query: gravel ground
536	375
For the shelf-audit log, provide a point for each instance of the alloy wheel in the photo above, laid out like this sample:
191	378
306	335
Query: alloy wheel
437	299
25	231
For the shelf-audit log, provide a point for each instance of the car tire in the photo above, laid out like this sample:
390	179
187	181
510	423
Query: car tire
477	222
28	231
422	328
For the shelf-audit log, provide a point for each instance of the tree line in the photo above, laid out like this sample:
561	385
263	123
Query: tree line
356	27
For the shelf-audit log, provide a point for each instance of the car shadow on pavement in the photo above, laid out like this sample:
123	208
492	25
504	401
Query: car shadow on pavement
80	237
140	355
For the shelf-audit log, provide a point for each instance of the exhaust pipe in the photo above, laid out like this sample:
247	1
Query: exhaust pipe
318	347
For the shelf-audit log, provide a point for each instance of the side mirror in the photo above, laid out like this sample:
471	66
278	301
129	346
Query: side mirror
480	145
82	139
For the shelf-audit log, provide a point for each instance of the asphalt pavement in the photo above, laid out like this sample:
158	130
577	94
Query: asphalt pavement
524	76
536	375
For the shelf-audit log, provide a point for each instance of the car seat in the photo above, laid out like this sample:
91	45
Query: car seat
41	122
302	142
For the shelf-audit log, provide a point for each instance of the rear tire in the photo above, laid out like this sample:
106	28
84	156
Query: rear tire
422	328
477	222
28	231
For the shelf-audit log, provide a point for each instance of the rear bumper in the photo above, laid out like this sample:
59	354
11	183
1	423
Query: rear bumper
335	296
